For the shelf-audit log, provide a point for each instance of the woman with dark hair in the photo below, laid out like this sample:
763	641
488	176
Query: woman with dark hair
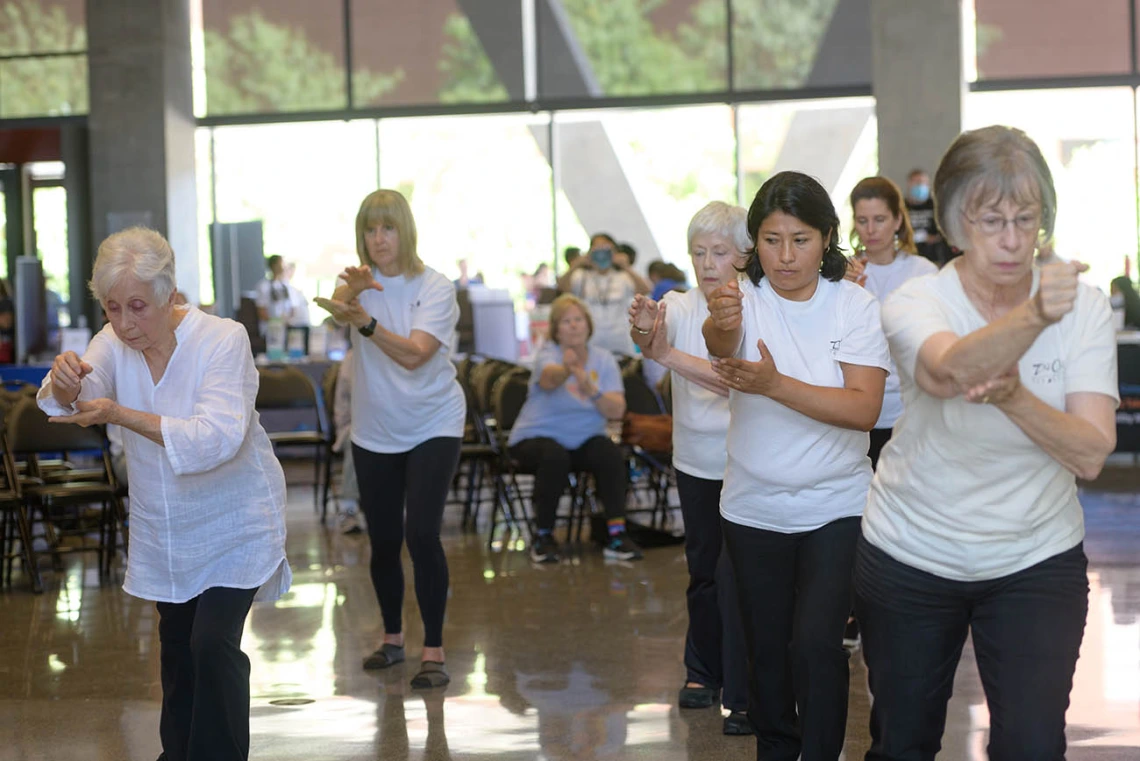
1122	288
805	359
886	258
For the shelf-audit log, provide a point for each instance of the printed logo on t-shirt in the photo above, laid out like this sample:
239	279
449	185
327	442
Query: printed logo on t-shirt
1048	372
835	346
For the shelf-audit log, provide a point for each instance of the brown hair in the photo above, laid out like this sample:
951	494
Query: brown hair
558	310
389	207
888	192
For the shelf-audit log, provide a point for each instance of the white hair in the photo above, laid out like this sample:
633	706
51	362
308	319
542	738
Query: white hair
139	252
720	218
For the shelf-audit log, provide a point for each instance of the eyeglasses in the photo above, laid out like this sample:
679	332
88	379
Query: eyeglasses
995	224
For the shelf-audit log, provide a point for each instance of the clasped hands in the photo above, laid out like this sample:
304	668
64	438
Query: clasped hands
67	374
349	311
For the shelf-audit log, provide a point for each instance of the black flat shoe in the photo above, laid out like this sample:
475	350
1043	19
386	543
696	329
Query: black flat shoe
697	697
737	723
387	655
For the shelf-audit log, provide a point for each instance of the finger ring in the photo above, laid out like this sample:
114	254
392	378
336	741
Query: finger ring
986	399
738	379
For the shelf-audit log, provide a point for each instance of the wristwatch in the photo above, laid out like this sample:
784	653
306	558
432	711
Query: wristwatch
368	329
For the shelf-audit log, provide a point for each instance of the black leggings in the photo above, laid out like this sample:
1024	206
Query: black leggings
419	480
551	463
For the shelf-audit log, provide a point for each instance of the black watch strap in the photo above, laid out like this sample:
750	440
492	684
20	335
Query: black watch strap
368	329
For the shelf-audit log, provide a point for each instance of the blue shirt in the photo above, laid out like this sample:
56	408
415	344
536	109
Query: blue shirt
565	414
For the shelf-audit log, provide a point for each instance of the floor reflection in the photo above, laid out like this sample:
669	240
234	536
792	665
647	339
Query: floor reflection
579	661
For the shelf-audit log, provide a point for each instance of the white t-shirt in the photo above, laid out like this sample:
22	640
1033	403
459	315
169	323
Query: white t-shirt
882	281
700	416
274	296
393	409
608	295
787	472
961	492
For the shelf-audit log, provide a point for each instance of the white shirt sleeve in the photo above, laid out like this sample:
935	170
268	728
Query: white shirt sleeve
262	297
99	383
863	342
578	282
1091	363
223	405
910	316
437	313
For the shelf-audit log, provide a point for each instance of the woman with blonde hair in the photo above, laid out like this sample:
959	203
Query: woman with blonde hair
408	412
575	389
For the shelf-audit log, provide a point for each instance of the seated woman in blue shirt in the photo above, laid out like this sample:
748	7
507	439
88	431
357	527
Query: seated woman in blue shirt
575	389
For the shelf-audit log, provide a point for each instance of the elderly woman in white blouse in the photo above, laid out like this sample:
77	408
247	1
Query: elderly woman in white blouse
207	533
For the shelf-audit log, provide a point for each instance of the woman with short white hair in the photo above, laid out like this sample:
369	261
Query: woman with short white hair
973	524
207	529
715	659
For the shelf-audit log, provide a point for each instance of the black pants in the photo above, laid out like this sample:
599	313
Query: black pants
879	439
795	594
1026	627
552	463
404	494
205	677
714	645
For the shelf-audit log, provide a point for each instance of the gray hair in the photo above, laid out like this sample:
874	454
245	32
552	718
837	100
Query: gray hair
984	167
138	252
720	218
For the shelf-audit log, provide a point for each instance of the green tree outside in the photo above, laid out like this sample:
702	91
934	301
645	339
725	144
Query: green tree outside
54	86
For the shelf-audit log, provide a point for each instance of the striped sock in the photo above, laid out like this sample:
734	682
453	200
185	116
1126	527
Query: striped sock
616	526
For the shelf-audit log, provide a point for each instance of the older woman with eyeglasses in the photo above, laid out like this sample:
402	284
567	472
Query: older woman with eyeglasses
973	525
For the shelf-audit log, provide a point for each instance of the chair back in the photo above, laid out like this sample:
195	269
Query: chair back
508	398
483	379
640	398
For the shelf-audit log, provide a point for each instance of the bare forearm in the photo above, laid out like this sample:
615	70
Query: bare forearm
842	407
563	283
721	343
695	369
552	377
63	397
403	351
1069	439
640	284
143	423
986	353
345	292
611	405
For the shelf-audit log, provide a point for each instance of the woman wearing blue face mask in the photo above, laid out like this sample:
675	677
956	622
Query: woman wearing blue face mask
920	208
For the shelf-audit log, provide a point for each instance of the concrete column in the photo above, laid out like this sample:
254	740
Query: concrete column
141	125
916	61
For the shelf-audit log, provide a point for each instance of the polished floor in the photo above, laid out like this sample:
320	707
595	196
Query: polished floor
577	661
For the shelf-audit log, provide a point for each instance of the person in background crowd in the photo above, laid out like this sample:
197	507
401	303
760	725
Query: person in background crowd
920	208
464	280
571	254
299	317
273	300
408	413
804	357
348	501
207	528
885	259
1123	295
973	525
715	662
604	280
575	389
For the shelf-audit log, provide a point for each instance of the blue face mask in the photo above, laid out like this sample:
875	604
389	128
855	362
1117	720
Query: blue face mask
920	193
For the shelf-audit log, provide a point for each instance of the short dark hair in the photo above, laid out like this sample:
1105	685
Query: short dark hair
272	261
629	251
657	267
607	236
800	196
571	253
916	172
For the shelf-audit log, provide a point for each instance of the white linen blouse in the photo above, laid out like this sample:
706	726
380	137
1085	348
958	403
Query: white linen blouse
207	507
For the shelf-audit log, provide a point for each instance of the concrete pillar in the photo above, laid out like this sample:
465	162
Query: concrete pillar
141	125
917	76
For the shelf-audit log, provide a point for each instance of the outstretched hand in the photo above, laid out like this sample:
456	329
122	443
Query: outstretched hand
68	372
360	279
996	391
726	307
344	312
94	412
